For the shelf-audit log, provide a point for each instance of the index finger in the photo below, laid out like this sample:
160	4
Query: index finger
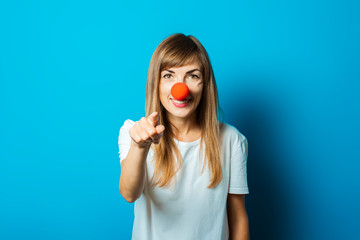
153	117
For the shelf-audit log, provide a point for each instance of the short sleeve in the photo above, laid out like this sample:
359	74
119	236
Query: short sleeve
124	140
238	167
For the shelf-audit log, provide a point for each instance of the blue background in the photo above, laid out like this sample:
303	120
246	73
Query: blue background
71	72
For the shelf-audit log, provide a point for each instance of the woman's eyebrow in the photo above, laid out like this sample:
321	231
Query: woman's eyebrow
191	71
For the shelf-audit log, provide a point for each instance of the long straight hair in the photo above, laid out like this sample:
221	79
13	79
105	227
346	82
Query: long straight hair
175	51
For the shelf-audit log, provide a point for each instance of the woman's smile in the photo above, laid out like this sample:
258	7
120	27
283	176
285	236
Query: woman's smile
180	104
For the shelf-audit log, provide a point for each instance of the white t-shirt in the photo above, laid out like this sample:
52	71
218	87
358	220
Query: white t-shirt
190	210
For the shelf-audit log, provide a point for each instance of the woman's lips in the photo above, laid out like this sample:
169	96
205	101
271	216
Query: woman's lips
180	104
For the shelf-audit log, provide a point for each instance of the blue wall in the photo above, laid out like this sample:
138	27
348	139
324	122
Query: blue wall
71	72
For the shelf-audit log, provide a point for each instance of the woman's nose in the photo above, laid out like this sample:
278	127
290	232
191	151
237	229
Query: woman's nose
179	91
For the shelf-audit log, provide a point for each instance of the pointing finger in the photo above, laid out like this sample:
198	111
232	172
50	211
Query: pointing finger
154	117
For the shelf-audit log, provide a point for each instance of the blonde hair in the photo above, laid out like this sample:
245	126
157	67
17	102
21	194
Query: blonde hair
175	51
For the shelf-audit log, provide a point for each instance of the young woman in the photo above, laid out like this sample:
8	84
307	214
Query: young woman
185	170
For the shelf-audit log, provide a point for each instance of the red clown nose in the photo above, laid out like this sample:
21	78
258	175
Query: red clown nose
179	91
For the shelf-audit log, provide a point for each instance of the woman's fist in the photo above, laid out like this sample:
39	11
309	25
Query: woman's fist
147	131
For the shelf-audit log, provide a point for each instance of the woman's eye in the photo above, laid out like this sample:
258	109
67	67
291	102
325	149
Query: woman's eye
167	75
194	76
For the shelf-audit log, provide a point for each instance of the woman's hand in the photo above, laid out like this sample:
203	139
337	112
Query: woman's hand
147	131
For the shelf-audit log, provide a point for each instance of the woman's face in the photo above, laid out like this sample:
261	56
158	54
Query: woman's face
192	77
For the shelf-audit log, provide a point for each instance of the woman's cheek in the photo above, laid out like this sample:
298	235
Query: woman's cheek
167	86
196	86
199	87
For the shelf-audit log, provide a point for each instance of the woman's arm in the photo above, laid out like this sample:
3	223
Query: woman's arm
237	217
132	178
143	134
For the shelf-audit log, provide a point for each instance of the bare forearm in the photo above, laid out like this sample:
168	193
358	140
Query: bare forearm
239	230
132	177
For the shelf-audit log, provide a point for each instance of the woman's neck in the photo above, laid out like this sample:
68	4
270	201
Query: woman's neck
186	129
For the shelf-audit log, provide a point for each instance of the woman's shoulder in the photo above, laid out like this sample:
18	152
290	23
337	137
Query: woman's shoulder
128	123
229	131
125	128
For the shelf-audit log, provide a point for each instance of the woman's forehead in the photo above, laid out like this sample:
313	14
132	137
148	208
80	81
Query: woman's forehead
190	66
195	63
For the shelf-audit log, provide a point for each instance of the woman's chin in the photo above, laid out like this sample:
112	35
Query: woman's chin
180	114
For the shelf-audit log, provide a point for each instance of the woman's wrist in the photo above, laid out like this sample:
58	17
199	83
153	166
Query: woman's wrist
142	148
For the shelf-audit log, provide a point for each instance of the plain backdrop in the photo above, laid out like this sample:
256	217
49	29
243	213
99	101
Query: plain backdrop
71	73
